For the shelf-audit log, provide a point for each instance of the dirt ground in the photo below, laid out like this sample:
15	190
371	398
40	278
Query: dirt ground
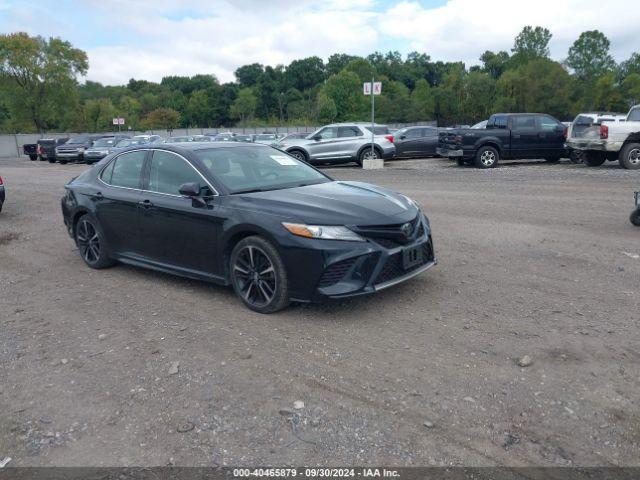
534	259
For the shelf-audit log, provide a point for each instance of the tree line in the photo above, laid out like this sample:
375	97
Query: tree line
40	91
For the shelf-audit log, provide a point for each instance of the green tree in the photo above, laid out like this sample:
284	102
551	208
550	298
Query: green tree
531	43
479	96
607	95
631	89
248	75
39	77
422	102
305	73
337	62
589	55
99	114
629	66
326	110
345	89
244	106
494	63
198	111
165	118
394	103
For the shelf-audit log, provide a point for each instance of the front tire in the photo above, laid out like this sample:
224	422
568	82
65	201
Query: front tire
635	217
552	159
592	159
92	243
33	158
299	154
258	275
630	156
487	157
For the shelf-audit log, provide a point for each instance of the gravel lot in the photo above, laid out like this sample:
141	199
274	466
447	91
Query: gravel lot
534	259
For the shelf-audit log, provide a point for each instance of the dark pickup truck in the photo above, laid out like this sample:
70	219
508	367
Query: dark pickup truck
506	136
47	148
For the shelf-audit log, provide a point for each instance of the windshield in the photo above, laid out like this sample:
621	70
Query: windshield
104	142
482	124
245	169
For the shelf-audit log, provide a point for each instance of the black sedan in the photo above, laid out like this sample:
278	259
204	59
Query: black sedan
416	141
273	227
1	193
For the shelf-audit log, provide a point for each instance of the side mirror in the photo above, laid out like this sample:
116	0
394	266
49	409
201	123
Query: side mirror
316	137
402	137
192	190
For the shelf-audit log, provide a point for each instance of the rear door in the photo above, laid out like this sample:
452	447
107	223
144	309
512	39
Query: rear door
525	142
117	200
551	135
428	142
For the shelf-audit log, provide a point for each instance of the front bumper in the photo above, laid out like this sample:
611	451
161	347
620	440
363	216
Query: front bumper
94	156
334	269
78	156
2	195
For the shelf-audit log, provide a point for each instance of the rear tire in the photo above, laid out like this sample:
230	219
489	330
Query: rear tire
366	153
592	159
258	275
635	217
487	157
575	156
630	156
33	158
92	243
52	160
552	159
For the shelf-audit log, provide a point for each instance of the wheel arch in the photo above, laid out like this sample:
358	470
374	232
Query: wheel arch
79	213
237	234
368	146
301	149
494	143
633	137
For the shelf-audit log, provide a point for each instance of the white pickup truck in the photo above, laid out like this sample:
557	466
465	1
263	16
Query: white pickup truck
618	140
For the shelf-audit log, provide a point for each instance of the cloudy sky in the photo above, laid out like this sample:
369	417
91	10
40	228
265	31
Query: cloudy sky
149	39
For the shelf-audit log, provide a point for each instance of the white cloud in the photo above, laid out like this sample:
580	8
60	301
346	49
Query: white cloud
464	29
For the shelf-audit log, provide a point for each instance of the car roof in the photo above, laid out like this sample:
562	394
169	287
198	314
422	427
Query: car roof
360	124
193	146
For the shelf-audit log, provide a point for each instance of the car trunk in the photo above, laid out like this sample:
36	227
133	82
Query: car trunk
586	128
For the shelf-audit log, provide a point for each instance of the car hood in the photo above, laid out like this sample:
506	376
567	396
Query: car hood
331	203
73	145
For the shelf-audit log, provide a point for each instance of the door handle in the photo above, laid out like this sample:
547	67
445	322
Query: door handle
146	204
97	196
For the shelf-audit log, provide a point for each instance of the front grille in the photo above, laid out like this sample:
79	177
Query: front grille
336	272
392	236
393	267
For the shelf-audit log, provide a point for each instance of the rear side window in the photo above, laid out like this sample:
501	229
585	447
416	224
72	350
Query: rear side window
349	132
548	123
125	170
169	171
497	121
379	130
414	133
634	115
583	120
523	122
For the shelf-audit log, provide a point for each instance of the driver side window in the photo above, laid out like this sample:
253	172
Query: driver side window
169	171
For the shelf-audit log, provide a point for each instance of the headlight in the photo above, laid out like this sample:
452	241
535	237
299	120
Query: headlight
324	232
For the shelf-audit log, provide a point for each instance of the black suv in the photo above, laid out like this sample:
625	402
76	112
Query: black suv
506	136
75	147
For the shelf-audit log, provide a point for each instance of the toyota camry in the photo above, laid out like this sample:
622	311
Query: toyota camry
271	226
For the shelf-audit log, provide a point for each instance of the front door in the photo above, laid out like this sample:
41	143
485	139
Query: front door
173	231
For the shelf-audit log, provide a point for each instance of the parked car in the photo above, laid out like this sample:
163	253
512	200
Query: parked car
598	137
341	143
506	136
294	136
416	141
634	217
243	138
224	137
47	148
201	138
265	138
31	150
102	147
2	194
180	139
273	227
74	148
130	142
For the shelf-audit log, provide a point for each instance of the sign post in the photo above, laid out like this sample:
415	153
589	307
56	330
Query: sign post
374	88
118	121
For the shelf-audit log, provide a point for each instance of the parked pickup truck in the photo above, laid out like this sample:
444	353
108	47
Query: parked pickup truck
31	150
47	148
610	141
506	136
73	150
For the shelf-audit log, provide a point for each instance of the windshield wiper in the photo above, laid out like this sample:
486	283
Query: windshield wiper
252	190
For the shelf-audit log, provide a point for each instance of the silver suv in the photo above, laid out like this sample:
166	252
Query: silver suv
341	143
